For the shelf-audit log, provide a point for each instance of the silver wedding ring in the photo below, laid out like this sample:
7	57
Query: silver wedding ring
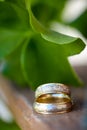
52	98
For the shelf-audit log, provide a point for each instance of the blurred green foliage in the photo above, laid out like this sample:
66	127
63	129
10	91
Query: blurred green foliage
8	126
32	53
81	23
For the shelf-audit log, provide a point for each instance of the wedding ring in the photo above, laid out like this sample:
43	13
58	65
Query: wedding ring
52	98
52	88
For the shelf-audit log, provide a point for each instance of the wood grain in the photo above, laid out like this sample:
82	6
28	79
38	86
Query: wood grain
21	104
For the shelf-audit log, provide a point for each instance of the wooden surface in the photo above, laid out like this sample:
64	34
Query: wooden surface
21	104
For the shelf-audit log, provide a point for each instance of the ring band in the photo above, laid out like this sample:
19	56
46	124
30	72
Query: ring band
45	108
52	98
52	88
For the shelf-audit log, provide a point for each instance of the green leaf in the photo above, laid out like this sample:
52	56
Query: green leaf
9	41
35	57
41	57
47	11
20	3
70	44
12	67
12	28
8	126
13	17
44	62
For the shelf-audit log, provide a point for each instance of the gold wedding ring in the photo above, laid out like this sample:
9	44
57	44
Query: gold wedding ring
52	98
